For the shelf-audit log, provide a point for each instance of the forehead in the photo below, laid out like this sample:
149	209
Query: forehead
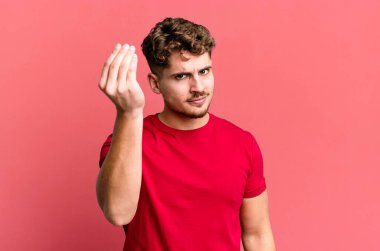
187	62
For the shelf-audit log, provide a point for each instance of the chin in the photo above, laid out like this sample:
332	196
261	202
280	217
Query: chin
196	115
189	111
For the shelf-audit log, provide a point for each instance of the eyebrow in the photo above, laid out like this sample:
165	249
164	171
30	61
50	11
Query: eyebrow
189	73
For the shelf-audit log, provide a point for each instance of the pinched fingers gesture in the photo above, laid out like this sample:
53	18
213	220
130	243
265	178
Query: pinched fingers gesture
118	80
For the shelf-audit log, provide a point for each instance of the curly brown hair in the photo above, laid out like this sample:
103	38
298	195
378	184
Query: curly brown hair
175	34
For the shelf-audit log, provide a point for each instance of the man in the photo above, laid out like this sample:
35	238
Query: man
182	179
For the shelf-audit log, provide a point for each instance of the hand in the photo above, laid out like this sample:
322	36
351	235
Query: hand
118	80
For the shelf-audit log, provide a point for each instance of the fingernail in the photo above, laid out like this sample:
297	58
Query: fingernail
125	46
117	46
132	48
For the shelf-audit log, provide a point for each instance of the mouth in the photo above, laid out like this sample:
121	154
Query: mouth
198	100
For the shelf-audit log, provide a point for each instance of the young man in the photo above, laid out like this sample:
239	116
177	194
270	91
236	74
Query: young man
182	179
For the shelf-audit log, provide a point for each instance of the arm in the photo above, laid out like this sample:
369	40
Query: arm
256	228
119	180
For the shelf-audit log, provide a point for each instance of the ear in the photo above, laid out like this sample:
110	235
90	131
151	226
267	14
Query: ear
153	82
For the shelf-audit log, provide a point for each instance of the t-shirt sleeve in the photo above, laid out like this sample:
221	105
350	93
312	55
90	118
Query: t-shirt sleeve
255	184
104	150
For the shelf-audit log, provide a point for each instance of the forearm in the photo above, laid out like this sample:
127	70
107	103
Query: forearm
259	242
119	181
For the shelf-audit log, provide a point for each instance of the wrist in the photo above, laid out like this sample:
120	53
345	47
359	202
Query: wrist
132	114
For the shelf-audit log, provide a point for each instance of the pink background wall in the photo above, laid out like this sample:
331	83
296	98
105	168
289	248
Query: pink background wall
302	76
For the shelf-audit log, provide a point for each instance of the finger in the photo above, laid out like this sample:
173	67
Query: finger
104	75
114	68
132	69
122	78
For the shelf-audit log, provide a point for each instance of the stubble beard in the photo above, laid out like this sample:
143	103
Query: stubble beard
189	114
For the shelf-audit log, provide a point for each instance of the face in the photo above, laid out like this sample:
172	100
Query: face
187	85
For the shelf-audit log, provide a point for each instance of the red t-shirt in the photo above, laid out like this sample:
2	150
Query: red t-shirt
193	185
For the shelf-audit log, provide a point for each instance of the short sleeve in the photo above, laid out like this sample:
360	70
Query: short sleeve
255	184
104	150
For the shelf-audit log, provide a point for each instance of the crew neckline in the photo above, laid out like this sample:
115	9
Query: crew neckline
162	126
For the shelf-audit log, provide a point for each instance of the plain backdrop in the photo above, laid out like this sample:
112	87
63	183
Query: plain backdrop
302	76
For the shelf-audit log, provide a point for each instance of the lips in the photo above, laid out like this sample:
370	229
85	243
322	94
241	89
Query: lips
198	99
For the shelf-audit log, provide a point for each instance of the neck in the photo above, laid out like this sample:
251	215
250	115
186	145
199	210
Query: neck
182	122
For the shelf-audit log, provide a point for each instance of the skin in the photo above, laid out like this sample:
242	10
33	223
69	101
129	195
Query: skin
118	80
255	224
188	77
119	180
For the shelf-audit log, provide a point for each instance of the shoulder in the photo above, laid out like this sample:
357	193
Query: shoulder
236	136
229	127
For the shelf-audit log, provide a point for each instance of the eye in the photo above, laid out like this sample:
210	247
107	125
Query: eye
204	71
180	76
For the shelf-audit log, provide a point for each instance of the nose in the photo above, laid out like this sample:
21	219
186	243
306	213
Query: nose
196	84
